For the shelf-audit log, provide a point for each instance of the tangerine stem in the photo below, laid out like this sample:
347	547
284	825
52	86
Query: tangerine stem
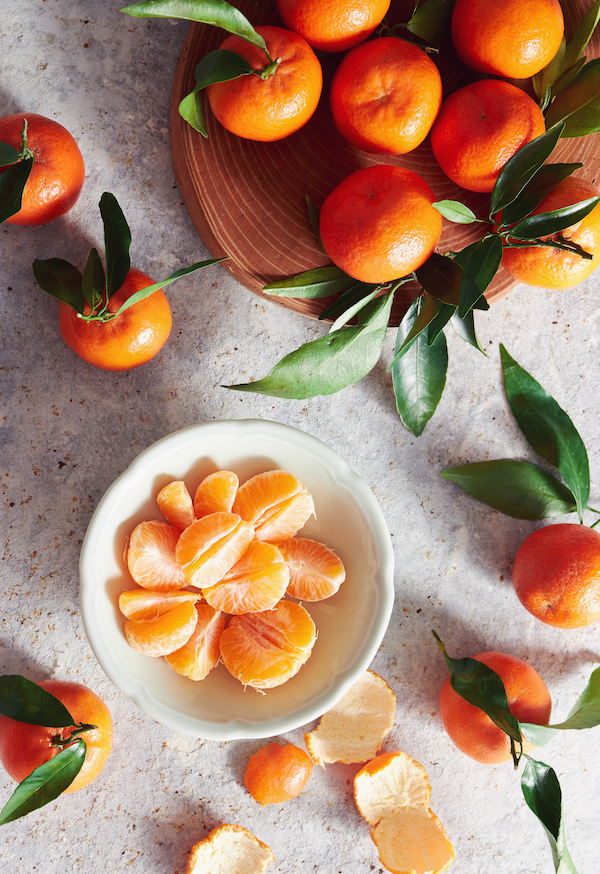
270	69
25	150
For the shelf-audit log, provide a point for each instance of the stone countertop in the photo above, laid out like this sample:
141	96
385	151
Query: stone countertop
68	430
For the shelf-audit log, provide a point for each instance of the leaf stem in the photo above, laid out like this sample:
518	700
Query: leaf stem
25	152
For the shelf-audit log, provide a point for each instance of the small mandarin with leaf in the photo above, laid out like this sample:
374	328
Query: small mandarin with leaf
556	575
277	773
333	25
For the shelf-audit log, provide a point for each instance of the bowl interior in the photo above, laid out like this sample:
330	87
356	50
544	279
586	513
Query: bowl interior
350	624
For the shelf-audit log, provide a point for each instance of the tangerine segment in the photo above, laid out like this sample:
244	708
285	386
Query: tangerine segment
151	557
175	503
211	546
316	572
255	583
265	649
165	634
229	849
276	503
139	604
200	654
276	773
216	493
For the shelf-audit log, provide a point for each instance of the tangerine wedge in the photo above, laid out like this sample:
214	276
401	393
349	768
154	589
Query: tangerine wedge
151	557
276	503
165	634
144	604
201	653
229	849
263	650
211	546
175	503
316	572
255	583
216	493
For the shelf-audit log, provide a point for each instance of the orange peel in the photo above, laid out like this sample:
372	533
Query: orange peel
229	849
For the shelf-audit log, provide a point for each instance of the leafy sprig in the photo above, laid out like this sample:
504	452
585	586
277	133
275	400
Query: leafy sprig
13	179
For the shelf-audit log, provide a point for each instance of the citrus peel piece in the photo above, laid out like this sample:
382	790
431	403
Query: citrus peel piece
229	849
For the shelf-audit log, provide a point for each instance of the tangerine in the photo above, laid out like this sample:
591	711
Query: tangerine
163	634
270	108
175	503
211	546
255	583
151	557
472	730
379	223
315	571
216	493
57	174
333	25
276	773
196	658
385	96
144	604
515	39
276	503
479	128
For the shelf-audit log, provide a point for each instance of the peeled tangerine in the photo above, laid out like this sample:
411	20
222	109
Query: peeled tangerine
355	728
276	503
211	546
392	793
216	493
229	849
316	572
151	557
255	583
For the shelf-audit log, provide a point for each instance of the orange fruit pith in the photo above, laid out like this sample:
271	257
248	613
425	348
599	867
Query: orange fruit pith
175	503
472	731
316	572
276	503
58	173
379	223
385	96
515	39
216	493
555	268
479	128
25	747
255	583
264	650
129	340
269	109
196	658
211	546
165	633
333	25
277	772
151	557
556	575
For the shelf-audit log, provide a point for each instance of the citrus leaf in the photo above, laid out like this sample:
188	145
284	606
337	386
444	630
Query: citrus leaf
92	281
585	714
419	375
414	323
543	80
329	364
582	34
439	323
312	284
352	310
8	155
542	793
465	328
45	783
117	240
585	88
479	270
143	293
215	12
547	428
515	488
546	223
190	109
441	277
12	184
455	212
25	701
61	280
585	121
523	165
431	21
544	181
221	65
355	293
566	77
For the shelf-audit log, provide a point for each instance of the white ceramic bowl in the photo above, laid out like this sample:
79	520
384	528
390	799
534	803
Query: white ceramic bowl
350	624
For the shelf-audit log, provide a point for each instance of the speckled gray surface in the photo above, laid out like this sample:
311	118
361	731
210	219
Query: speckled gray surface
68	430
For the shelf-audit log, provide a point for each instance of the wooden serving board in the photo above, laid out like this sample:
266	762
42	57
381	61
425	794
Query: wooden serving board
247	199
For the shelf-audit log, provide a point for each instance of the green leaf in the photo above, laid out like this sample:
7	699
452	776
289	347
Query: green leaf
582	35
25	701
8	154
481	267
523	165
143	293
326	365
542	793
455	212
354	294
465	328
544	181
117	240
584	88
439	323
221	65
12	184
353	310
416	321
545	224
515	488
441	277
547	428
61	280
419	375
92	283
483	688
566	77
45	783
431	21
190	109
543	80
216	12
584	121
585	714
312	284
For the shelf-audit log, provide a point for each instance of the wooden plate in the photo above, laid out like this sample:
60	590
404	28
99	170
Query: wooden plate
247	199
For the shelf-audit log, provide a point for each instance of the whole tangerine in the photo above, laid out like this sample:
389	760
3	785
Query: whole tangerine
472	730
385	96
277	772
333	25
556	575
379	223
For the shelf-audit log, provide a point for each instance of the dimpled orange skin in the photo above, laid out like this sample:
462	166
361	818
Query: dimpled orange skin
379	224
479	128
269	109
277	772
515	39
554	268
472	730
333	25
128	341
385	96
23	747
58	173
556	575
